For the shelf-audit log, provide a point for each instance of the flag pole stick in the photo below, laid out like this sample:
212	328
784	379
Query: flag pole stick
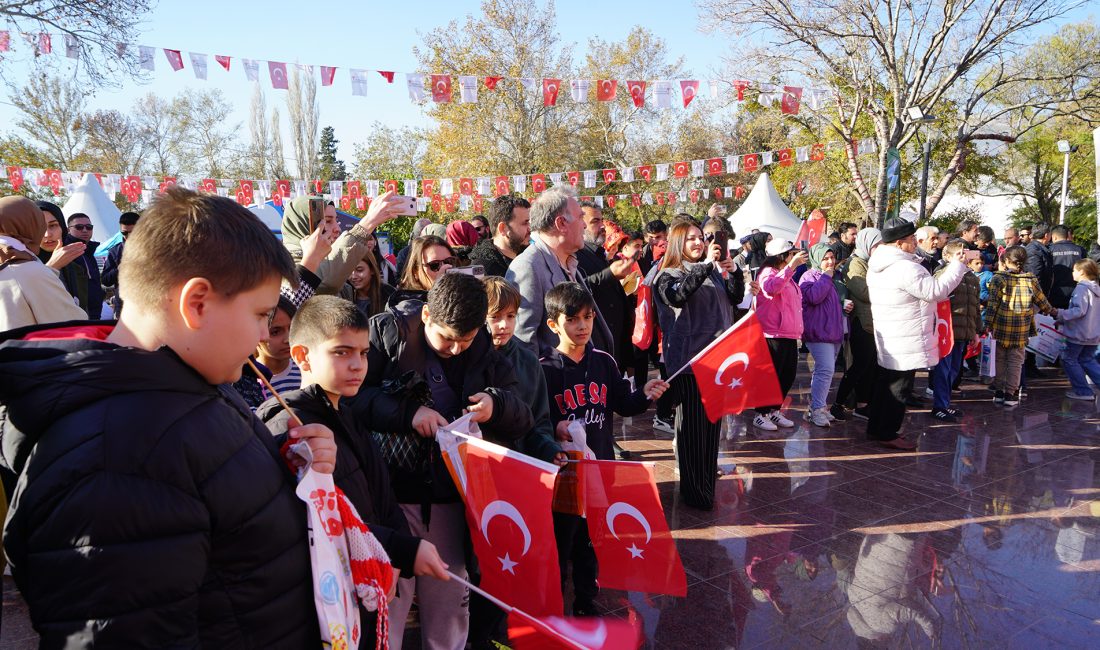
515	610
713	343
274	392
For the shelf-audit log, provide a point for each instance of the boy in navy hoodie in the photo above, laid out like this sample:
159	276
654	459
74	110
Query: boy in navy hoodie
584	384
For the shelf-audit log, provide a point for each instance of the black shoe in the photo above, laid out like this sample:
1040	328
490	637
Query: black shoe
838	412
944	416
861	413
621	453
954	411
587	608
1012	399
999	397
1032	373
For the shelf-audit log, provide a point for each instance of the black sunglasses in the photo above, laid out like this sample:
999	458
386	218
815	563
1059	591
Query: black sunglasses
81	226
438	264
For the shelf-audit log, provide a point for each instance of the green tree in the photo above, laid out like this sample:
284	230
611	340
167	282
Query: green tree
51	115
328	165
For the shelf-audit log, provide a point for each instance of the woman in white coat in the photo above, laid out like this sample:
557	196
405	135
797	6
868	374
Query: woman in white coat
903	307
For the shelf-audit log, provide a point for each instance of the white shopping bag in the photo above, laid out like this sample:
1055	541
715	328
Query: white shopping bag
987	359
1048	342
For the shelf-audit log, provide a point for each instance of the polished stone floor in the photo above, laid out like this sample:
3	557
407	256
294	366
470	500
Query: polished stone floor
987	537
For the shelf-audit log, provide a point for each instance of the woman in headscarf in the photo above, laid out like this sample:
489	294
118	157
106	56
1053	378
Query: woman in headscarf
462	237
349	247
30	293
823	327
859	378
58	250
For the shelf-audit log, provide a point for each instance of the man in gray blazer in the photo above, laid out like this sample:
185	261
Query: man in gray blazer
558	234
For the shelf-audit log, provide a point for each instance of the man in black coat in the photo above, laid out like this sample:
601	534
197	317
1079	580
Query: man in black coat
603	280
109	277
1040	262
510	224
1064	253
80	227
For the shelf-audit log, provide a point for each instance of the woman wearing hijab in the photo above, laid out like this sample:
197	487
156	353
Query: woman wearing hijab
859	378
30	293
823	327
59	250
462	237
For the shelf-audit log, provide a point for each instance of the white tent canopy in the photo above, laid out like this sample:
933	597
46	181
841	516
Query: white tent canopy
89	198
763	210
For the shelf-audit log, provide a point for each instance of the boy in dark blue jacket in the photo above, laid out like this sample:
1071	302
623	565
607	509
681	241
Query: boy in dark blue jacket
584	384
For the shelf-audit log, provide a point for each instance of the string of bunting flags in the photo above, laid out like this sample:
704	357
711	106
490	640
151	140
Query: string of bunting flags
441	88
449	194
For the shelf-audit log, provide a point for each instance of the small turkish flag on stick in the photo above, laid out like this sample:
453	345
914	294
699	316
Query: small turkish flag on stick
945	335
735	372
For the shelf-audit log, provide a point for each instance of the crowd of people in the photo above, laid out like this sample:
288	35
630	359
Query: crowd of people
142	444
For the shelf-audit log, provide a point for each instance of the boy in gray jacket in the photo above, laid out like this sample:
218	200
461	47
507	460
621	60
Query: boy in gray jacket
1080	323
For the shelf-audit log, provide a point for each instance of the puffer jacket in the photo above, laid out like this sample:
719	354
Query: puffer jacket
856	281
779	303
903	305
966	307
152	509
694	305
1080	322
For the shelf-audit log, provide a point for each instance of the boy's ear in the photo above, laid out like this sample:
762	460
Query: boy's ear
300	354
194	302
553	325
425	316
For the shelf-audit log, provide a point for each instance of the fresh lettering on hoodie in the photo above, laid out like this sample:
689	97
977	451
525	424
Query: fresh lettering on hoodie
586	397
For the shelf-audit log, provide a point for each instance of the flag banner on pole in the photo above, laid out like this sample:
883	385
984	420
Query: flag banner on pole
629	532
572	633
945	334
735	372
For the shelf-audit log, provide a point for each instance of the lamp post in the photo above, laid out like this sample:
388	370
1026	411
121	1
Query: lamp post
917	114
1065	147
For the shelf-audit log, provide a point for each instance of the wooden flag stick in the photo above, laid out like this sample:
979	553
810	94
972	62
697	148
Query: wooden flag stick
274	392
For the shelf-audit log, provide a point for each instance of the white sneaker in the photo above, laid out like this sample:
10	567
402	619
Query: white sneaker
777	418
832	418
764	422
819	417
662	425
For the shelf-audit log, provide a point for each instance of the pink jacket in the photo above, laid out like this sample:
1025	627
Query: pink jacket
779	304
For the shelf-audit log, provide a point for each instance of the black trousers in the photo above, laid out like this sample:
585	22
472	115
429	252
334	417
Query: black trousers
575	547
858	382
886	410
785	359
696	444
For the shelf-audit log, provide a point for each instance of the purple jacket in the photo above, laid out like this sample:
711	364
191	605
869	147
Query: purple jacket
821	310
779	304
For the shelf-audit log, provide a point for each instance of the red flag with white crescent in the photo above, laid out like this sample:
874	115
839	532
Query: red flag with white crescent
500	186
550	88
637	92
608	175
945	333
792	97
809	233
605	89
573	177
688	89
538	182
646	172
680	169
751	162
175	59
644	316
491	82
355	189
714	166
526	633
441	88
628	529
15	177
466	186
223	61
735	372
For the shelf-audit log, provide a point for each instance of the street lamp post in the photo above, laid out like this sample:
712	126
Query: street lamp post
1066	148
917	114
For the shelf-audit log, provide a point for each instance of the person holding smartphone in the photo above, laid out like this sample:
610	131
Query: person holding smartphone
779	308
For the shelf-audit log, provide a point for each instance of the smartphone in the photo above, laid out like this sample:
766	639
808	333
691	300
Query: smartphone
722	238
316	213
406	205
476	270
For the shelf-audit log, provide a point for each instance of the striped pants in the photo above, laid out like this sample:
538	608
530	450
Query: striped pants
696	444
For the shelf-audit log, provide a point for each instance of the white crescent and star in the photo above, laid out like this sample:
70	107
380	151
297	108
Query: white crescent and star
737	357
594	638
622	508
501	508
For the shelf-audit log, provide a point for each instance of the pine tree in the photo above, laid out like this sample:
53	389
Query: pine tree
328	166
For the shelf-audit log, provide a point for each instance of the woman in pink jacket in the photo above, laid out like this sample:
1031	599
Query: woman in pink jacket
779	309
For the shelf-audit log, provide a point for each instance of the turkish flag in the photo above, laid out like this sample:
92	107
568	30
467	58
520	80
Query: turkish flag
282	188
387	75
714	166
693	196
637	92
786	157
538	182
608	175
437	203
688	89
355	190
429	186
660	198
817	152
606	89
317	186
810	232
208	185
466	186
491	82
131	188
611	200
642	336
277	70
327	73
15	177
451	203
680	170
646	172
739	192
175	59
574	178
441	88
479	203
362	203
550	89
390	186
52	177
500	186
751	162
627	525
735	372
508	497
636	200
555	633
740	85
277	200
345	203
223	61
716	192
945	335
244	192
168	181
792	96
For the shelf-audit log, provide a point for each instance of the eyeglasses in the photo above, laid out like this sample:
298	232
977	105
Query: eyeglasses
438	264
83	226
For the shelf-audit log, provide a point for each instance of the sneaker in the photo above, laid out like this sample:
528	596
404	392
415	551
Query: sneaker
1072	395
817	417
954	411
1012	400
999	397
764	422
928	392
862	413
943	415
777	418
663	425
838	412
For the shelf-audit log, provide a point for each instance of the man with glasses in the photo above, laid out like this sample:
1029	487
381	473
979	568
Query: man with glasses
80	227
481	225
126	223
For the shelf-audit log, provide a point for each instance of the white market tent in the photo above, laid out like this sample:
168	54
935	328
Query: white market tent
270	216
89	198
763	210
